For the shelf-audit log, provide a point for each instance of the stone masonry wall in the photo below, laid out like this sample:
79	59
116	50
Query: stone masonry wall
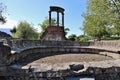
54	33
107	43
49	47
18	43
5	51
28	47
111	73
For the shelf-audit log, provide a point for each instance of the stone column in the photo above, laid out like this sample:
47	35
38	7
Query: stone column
49	18
57	18
63	19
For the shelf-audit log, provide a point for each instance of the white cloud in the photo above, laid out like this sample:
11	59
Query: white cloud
12	23
37	28
9	23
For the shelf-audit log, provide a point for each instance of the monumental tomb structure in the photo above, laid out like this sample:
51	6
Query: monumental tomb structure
55	32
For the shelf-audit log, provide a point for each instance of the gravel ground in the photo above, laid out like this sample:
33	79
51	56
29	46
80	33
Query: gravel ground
72	58
62	62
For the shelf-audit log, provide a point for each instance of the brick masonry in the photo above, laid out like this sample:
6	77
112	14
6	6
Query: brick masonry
54	33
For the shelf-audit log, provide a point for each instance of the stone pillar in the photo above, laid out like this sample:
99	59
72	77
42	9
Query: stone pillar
49	18
57	18
63	19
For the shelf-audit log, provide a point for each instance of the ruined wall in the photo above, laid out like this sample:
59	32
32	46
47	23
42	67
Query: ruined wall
47	48
4	35
111	73
17	43
113	44
5	52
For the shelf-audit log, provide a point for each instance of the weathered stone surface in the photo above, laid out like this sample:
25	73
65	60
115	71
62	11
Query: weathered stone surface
4	35
18	43
47	48
111	73
54	33
76	67
5	51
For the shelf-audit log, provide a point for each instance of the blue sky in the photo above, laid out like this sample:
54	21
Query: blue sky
35	11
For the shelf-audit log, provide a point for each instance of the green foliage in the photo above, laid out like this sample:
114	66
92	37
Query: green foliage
102	18
66	30
115	19
96	18
25	30
72	37
111	38
13	30
81	38
45	24
84	38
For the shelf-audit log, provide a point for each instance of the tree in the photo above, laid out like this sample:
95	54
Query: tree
25	30
66	30
72	37
96	18
45	24
102	18
13	30
116	5
115	8
83	38
2	18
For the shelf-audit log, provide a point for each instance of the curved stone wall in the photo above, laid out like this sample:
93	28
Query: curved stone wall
49	51
111	73
22	48
17	43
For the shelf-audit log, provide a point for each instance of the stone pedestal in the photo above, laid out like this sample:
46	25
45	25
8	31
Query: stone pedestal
54	33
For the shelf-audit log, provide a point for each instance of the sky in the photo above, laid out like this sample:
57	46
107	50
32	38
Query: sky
35	11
